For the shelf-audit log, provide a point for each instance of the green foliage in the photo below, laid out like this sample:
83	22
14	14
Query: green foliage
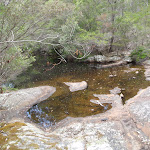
14	62
8	89
24	25
140	54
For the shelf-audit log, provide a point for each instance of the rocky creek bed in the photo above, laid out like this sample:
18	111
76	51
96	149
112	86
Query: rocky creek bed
123	127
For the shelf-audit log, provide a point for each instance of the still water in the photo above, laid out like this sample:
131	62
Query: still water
63	103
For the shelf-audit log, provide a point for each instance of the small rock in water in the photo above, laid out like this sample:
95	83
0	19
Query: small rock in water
66	112
137	72
110	76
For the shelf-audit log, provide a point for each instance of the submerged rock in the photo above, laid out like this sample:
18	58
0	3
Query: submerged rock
116	90
76	86
113	99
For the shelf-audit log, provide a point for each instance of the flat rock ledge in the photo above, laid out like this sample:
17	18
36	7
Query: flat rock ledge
76	86
18	102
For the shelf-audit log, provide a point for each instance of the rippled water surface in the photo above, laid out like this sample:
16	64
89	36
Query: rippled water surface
63	103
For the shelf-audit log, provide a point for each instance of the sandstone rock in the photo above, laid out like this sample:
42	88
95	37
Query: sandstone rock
100	58
123	56
115	100
96	58
90	59
127	59
103	59
113	59
20	101
76	136
76	86
146	62
140	105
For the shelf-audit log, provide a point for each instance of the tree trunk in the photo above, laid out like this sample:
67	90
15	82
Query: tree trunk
111	43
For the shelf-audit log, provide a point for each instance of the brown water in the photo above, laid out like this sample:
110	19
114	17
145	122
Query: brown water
64	103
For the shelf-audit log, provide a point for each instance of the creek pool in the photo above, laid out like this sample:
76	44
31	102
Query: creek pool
63	103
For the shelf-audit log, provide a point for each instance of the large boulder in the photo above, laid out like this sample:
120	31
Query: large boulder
113	59
127	59
100	58
103	59
76	86
96	58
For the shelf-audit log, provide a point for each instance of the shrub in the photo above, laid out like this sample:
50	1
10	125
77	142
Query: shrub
140	54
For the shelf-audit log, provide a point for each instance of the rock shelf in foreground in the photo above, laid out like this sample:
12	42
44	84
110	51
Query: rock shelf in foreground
16	102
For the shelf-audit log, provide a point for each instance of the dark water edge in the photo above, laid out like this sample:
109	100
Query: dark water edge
130	79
